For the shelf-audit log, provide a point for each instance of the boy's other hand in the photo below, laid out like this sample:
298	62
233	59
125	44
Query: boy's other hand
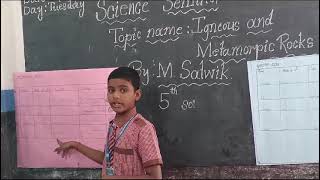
64	147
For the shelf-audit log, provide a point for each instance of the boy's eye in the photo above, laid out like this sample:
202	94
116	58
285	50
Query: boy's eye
110	90
123	90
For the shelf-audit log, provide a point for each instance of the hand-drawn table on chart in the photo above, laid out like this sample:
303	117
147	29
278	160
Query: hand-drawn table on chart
69	105
285	109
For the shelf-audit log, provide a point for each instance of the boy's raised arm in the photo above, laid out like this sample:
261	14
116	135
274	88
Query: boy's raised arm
91	153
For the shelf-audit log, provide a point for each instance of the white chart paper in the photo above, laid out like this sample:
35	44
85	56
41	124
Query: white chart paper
285	109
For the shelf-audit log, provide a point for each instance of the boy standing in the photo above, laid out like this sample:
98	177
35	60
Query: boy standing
131	149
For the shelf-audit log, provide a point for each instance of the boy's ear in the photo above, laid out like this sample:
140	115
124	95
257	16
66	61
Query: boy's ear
138	94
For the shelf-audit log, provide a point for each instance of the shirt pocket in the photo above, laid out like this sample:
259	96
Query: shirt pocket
124	160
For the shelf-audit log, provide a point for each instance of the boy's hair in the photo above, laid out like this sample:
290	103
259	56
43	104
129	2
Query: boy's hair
128	74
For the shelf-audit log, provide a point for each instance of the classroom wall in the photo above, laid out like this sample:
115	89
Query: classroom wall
12	53
12	60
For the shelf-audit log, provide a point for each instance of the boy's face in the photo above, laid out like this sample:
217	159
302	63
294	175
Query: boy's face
122	95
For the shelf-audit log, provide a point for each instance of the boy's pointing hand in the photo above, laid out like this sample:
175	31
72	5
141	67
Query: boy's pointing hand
64	147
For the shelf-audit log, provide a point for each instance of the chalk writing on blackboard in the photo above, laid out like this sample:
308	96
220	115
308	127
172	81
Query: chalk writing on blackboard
42	7
121	12
186	6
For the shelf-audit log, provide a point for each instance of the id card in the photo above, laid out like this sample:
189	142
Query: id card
110	171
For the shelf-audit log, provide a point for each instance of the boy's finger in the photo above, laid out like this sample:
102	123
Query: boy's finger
64	154
59	142
57	150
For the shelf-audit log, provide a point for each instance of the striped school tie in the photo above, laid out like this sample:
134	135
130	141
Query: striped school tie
112	143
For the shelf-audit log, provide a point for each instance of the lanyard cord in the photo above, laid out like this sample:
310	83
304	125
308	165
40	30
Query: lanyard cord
107	151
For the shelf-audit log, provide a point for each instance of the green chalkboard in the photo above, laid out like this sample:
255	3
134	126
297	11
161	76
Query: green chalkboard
191	56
